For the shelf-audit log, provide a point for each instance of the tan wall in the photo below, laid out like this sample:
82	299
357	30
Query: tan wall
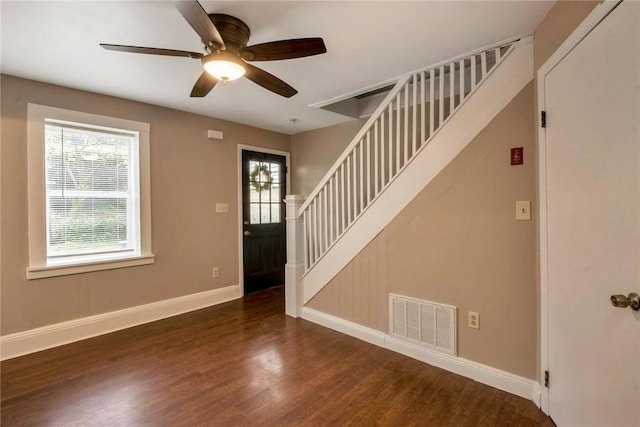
556	26
484	260
458	243
189	174
314	152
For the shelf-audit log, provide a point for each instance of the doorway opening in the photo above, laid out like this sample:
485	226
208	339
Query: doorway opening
264	186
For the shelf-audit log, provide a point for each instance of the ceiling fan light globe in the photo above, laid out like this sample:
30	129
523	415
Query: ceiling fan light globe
224	67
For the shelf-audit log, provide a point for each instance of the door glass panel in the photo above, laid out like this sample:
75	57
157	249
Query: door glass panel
264	175
265	214
275	173
275	213
255	213
253	194
253	177
265	192
265	196
275	194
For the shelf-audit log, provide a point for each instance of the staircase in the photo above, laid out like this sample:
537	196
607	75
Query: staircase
423	123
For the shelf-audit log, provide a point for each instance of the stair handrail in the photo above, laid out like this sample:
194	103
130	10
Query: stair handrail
356	139
342	196
400	82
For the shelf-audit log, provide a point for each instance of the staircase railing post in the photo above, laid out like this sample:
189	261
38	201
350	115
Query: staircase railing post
295	255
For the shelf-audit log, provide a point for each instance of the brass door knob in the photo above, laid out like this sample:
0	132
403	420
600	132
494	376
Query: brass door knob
632	301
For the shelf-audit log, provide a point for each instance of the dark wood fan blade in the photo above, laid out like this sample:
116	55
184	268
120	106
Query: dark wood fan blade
197	17
203	86
152	50
284	49
268	81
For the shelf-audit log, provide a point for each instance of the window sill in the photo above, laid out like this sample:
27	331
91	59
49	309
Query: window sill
63	270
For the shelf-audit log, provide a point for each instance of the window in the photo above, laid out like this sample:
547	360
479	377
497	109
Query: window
89	203
265	186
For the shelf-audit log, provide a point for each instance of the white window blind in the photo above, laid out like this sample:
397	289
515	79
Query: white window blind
92	193
89	192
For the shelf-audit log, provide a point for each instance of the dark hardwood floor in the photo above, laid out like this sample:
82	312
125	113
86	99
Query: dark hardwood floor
243	363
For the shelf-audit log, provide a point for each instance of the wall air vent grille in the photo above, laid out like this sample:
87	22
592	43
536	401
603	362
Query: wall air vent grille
423	322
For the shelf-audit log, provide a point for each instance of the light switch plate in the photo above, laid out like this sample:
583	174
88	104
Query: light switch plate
523	210
222	207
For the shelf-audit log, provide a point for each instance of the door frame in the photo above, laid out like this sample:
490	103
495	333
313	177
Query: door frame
241	147
591	21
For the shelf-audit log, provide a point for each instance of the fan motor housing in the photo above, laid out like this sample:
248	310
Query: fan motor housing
234	32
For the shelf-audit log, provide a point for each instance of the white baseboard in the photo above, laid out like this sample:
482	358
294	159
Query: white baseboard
484	374
33	340
348	328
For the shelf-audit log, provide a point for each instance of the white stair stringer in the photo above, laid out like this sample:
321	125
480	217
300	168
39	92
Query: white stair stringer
494	94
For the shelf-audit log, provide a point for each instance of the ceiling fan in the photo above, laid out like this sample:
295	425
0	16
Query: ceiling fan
225	39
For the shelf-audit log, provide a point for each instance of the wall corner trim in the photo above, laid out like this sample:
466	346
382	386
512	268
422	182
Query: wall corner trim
537	395
484	374
49	336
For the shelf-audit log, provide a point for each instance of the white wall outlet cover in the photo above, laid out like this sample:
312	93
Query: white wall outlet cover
523	210
474	320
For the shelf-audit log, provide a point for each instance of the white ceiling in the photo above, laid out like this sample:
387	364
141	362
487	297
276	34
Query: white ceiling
367	42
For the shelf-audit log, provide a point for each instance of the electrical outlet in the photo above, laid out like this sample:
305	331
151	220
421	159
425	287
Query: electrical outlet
222	207
474	320
216	272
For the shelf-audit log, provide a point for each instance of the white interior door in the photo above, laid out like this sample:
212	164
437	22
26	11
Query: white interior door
592	99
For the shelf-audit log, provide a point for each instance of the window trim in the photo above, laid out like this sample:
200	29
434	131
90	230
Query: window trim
38	267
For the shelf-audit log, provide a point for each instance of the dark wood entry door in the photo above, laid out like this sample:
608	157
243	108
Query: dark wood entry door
263	209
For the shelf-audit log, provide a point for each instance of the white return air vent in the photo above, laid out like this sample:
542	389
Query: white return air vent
425	323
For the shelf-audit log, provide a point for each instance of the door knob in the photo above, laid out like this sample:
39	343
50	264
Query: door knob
633	301
247	233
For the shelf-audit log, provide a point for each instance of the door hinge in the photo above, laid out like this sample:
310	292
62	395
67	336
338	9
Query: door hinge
543	119
546	379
